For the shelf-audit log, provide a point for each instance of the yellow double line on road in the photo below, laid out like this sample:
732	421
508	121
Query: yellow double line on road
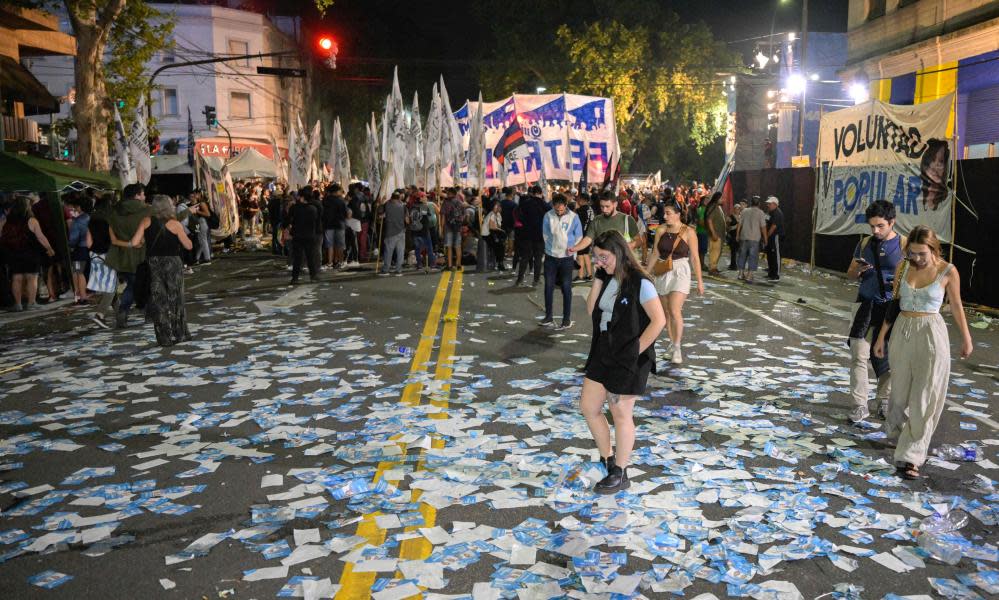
355	586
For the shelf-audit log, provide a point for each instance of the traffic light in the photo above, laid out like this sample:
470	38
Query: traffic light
328	49
210	118
120	104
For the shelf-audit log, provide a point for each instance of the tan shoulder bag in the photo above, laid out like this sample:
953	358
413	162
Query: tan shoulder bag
665	265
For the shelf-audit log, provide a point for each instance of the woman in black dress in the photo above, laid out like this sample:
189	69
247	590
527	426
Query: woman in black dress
627	319
164	236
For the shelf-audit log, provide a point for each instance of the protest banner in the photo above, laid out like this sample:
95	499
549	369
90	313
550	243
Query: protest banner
544	120
879	151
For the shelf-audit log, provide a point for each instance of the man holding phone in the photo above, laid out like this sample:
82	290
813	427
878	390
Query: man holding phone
874	263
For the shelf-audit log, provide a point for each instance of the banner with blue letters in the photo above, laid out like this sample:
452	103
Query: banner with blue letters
558	129
879	151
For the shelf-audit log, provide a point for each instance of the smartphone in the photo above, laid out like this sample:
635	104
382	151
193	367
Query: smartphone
862	261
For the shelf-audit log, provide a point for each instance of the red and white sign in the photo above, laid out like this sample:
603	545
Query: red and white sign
215	146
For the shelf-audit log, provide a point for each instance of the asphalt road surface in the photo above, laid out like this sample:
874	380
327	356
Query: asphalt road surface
395	436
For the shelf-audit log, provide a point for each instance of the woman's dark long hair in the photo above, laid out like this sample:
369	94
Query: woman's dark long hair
627	264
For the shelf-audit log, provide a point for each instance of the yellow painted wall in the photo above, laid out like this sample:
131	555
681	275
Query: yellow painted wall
881	89
933	83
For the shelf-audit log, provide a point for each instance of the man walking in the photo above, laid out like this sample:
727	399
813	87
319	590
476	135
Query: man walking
123	257
751	233
775	237
608	219
561	231
305	227
530	238
334	226
875	263
394	233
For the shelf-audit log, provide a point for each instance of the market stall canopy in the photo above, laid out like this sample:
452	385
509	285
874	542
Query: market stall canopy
19	172
251	163
17	83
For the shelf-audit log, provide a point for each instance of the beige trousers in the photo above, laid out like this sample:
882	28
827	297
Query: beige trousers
919	355
714	253
860	356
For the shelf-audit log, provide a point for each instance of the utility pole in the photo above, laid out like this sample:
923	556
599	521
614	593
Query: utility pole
804	89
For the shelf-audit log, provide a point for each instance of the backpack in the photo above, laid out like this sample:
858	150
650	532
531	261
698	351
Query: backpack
455	216
416	218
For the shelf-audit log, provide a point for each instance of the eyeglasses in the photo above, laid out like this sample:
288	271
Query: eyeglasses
601	258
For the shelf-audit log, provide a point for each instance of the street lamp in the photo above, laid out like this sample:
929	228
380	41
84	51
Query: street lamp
859	92
541	89
796	84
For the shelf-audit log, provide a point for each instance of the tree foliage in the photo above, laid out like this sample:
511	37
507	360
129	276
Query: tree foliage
114	41
139	34
664	76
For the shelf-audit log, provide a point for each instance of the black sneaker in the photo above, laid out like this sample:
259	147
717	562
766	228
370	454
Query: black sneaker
616	480
565	325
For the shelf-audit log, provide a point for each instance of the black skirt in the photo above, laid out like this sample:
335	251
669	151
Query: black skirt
627	380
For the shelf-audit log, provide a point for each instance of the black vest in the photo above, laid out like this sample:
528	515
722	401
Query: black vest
627	323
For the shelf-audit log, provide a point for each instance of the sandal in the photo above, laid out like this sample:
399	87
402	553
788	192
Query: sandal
909	471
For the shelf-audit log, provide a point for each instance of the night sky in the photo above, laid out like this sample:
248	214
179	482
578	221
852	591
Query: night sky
442	36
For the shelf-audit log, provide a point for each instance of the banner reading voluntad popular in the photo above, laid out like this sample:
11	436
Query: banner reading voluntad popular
879	151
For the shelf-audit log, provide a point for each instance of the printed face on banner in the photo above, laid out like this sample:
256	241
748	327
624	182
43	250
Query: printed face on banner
879	151
543	119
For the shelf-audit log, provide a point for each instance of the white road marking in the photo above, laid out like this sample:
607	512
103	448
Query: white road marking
197	285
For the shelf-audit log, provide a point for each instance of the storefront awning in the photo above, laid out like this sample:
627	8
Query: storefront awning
17	83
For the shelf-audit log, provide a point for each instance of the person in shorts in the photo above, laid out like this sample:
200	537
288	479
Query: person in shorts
453	213
79	245
627	319
674	238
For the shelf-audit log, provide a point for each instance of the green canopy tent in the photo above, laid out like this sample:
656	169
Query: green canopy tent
20	173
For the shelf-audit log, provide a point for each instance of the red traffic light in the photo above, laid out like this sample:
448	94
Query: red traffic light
326	42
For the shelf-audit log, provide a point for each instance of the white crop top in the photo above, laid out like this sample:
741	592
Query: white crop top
926	299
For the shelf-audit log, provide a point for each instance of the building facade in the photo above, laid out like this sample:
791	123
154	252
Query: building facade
255	108
24	36
914	51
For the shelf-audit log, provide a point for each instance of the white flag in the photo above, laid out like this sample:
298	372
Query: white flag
138	144
371	156
343	158
279	164
122	158
476	148
452	151
432	146
315	138
414	145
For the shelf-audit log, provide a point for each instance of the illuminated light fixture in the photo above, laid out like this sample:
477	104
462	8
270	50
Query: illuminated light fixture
325	43
732	78
814	76
541	89
796	84
791	36
762	59
859	93
771	93
776	59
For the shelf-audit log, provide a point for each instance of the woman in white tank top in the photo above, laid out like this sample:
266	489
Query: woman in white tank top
919	350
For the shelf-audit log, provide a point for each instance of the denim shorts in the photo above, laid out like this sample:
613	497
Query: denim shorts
335	238
452	237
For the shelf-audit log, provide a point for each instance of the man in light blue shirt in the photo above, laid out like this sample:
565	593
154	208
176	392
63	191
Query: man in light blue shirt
561	231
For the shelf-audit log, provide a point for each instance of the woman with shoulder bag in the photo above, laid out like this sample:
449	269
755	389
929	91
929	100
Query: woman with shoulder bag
674	255
627	319
919	350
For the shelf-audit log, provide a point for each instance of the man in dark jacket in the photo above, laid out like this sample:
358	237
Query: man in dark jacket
530	239
124	221
305	227
274	214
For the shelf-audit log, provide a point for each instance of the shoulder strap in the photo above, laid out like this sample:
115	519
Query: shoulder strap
877	268
863	244
679	236
899	278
